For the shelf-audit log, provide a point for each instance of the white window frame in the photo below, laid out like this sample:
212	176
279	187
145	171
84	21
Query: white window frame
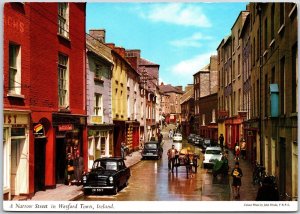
63	80
63	19
98	104
14	68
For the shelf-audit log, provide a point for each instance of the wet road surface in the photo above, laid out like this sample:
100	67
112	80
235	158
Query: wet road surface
151	181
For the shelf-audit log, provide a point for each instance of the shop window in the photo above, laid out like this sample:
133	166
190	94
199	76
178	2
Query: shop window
63	19
14	69
63	81
17	132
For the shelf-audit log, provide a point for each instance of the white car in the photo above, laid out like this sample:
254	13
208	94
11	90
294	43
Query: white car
212	154
177	137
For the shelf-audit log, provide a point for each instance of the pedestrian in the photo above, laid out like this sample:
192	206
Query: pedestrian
267	192
237	181
237	151
243	149
78	167
123	150
225	162
70	168
221	138
160	137
171	158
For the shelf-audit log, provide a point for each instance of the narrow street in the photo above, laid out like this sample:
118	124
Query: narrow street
151	181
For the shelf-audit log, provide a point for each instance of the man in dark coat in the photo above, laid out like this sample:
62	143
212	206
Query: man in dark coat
267	192
78	165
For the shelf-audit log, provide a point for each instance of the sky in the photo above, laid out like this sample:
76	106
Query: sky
180	37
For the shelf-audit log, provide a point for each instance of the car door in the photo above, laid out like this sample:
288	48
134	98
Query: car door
122	177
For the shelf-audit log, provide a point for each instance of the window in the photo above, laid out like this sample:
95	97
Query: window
238	41
254	52
128	107
239	62
98	110
14	69
273	78
213	113
266	95
63	19
281	15
203	119
294	78
98	71
282	85
63	80
266	34
234	104
272	20
233	70
239	100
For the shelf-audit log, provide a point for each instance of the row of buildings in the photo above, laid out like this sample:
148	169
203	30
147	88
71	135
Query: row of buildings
68	92
249	91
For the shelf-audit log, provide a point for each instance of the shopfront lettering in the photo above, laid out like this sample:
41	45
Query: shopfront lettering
65	127
15	24
9	119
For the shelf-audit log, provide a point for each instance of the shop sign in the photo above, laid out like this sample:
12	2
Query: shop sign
12	118
242	114
65	127
38	130
96	119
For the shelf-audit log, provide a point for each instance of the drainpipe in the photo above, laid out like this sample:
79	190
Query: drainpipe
259	11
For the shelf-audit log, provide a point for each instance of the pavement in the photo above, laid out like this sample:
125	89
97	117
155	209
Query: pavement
71	193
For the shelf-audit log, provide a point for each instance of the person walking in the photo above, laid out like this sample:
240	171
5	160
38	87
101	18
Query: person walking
267	192
171	158
123	147
78	167
221	139
69	169
237	175
237	151
243	149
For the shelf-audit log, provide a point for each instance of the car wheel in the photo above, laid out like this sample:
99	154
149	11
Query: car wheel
86	192
115	190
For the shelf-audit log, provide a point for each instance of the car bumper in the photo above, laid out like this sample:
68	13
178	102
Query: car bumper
149	155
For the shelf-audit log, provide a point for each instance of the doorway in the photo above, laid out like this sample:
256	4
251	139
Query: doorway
60	160
16	148
282	165
39	164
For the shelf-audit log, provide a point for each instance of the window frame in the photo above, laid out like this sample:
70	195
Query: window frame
63	19
63	102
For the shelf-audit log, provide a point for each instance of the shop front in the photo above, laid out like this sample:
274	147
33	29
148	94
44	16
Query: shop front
232	132
16	154
100	142
132	135
119	136
70	132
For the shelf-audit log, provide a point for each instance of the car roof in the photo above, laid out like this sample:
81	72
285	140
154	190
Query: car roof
177	133
151	142
109	158
214	148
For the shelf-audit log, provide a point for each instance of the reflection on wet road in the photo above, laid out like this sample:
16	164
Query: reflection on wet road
151	181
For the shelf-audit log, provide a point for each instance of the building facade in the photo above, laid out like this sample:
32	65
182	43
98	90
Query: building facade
36	44
99	97
187	111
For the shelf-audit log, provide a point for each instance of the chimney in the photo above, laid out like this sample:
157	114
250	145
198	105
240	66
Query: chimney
98	34
161	83
179	87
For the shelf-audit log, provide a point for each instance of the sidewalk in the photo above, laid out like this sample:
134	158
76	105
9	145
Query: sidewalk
248	191
70	193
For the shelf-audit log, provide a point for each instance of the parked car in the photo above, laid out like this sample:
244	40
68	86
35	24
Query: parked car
191	138
211	155
106	174
206	143
198	141
177	137
152	149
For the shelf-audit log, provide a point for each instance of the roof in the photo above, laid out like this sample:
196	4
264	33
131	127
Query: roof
187	95
147	62
169	88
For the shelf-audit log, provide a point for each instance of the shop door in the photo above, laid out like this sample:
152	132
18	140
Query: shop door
282	165
60	161
15	160
39	164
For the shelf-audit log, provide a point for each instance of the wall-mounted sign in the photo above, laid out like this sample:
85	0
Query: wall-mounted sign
65	127
96	119
38	130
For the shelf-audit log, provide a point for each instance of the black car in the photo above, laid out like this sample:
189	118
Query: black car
106	174
198	140
191	138
152	149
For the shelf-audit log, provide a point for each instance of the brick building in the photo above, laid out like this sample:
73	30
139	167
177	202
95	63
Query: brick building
55	38
187	110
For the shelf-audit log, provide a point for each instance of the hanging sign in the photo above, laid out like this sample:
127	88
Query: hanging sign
38	130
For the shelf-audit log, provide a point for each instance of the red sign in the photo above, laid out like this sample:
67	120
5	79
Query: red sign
243	114
65	127
223	113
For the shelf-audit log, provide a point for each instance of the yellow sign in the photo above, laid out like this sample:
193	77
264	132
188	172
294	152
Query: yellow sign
96	119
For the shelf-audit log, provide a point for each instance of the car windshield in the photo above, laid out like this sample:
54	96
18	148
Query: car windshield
150	146
213	152
108	165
